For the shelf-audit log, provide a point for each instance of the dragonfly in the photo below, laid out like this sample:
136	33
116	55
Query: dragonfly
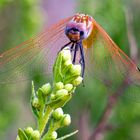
90	46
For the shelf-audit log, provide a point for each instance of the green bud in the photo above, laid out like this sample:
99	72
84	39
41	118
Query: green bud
57	114
17	138
76	69
35	135
52	97
53	136
68	87
61	92
66	55
46	89
77	81
68	63
66	120
35	102
29	130
67	66
59	85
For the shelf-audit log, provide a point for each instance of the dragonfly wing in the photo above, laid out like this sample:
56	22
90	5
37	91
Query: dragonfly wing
36	54
108	63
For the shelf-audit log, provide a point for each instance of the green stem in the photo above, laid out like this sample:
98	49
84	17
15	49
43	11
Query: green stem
47	135
43	121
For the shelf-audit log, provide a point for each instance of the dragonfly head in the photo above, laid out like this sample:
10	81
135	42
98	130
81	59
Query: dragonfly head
79	27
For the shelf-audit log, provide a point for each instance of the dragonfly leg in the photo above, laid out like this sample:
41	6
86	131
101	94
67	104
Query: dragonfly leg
82	60
72	47
74	55
65	45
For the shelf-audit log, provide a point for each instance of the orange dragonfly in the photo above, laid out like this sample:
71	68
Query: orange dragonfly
90	46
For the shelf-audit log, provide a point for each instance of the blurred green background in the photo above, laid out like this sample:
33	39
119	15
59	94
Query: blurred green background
22	19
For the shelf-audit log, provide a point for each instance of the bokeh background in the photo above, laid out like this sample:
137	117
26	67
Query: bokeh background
22	19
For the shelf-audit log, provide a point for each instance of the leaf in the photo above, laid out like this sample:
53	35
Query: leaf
57	69
35	111
68	135
22	134
60	102
41	97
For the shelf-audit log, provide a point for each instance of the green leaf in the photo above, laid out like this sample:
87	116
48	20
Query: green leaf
22	134
33	89
35	111
57	69
33	95
41	97
68	135
70	78
59	102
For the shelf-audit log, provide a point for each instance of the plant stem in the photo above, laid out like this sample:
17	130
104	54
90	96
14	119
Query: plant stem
43	121
50	130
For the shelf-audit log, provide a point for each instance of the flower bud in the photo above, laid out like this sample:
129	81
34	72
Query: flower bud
66	120
77	81
68	63
53	136
52	97
35	102
29	130
35	135
67	66
61	92
46	89
57	114
59	85
66	55
68	87
76	69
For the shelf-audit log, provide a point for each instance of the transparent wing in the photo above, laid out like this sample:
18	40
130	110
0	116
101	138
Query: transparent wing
108	63
36	54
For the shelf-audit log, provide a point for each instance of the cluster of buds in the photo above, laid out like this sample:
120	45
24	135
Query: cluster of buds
28	134
39	98
65	71
67	77
58	120
59	116
61	90
47	101
44	91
